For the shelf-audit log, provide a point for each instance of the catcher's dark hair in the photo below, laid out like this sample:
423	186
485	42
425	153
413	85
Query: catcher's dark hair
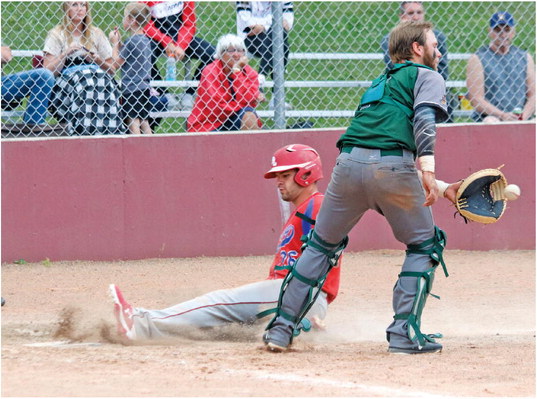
402	37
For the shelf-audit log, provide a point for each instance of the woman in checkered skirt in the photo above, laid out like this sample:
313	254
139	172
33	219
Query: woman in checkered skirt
86	95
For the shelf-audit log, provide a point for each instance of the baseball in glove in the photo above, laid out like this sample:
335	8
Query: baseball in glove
482	196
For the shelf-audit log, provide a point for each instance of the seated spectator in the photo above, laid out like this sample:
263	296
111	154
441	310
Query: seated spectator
228	92
35	84
501	77
135	63
86	95
415	11
254	25
172	30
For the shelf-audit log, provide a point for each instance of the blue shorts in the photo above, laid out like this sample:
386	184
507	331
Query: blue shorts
234	121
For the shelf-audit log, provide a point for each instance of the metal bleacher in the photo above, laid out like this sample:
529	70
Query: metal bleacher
312	113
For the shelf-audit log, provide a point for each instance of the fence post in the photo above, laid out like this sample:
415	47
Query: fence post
278	92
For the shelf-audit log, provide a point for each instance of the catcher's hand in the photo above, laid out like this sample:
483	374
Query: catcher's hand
481	197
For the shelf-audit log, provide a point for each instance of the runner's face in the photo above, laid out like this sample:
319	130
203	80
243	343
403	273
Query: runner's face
288	187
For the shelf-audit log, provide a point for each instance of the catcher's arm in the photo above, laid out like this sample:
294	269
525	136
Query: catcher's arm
425	138
449	190
446	190
431	188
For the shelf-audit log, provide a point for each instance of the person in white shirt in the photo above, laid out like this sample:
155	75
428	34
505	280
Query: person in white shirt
254	25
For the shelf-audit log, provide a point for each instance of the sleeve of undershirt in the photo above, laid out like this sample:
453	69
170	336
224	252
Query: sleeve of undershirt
425	130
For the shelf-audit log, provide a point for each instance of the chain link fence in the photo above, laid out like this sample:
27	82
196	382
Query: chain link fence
334	51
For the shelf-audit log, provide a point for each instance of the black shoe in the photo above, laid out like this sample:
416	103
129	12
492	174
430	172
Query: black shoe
429	347
274	345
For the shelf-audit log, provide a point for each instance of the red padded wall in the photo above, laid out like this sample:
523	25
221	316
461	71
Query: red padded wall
183	195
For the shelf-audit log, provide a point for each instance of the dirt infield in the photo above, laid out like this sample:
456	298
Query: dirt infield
486	313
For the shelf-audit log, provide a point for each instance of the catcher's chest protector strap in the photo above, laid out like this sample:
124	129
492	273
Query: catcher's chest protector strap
300	323
305	218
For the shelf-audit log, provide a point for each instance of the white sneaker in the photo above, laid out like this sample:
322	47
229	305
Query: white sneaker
187	101
271	105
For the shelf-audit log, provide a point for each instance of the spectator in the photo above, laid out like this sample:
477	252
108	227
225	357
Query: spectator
228	92
133	59
296	168
414	11
501	77
172	30
35	84
254	25
86	94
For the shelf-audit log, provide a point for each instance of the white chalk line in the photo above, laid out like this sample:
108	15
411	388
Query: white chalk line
63	344
367	389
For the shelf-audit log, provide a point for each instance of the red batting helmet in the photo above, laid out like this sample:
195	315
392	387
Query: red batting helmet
297	156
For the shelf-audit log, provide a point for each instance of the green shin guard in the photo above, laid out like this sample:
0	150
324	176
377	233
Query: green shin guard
300	323
424	285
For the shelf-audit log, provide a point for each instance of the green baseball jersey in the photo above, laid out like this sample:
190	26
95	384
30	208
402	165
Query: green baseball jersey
389	124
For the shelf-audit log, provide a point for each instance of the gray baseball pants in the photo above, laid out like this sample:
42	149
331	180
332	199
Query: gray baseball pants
236	305
361	180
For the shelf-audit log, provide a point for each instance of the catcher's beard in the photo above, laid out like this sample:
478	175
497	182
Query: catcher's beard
429	60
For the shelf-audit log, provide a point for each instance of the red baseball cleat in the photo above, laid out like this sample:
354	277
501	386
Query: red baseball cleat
123	312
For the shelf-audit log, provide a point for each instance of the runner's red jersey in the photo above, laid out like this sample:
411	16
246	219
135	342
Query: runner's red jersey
289	245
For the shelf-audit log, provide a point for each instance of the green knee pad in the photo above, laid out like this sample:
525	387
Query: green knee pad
424	285
300	323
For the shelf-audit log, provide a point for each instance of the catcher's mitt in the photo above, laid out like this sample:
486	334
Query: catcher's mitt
481	196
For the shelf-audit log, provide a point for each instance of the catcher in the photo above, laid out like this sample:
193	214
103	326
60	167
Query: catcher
395	124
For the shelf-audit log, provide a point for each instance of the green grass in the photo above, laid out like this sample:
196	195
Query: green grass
319	27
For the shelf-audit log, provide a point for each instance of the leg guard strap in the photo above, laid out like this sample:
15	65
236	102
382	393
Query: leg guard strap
414	325
424	284
437	244
321	245
333	255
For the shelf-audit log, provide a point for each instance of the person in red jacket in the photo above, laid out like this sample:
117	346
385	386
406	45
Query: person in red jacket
173	32
228	92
